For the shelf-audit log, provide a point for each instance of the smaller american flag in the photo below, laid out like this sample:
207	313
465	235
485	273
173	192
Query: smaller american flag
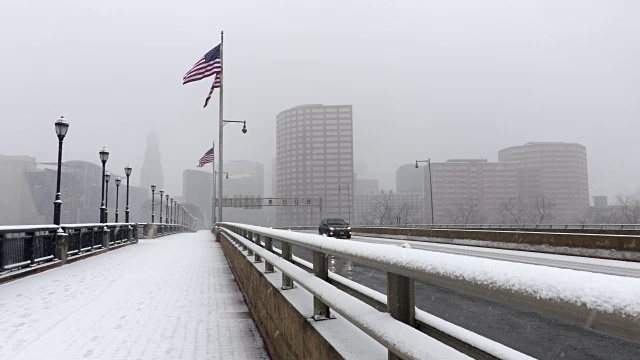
216	84
206	158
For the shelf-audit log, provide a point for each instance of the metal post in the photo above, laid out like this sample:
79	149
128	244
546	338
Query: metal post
268	245
117	194
213	193
220	133
320	270
106	198
153	197
102	208
401	301
287	282
430	189
57	204
161	195
256	239
249	236
126	212
166	217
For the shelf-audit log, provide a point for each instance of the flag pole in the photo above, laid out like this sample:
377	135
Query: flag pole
213	180
221	124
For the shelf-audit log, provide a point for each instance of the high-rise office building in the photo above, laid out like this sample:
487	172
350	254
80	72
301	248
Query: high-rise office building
197	188
367	186
409	180
314	158
554	171
151	171
469	190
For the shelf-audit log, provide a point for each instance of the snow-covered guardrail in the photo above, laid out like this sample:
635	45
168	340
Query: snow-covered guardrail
401	328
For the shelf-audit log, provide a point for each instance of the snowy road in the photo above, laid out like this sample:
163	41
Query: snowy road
168	298
610	267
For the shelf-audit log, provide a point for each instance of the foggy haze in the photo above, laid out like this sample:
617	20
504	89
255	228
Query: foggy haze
454	79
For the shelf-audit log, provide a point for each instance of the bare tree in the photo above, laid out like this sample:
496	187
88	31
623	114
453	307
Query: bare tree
386	210
629	208
541	210
466	211
514	210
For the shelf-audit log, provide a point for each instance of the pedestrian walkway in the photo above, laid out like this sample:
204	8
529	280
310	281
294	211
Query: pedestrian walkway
168	298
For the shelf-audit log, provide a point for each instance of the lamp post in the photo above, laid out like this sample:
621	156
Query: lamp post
176	212
161	194
104	156
153	197
118	181
107	176
127	171
171	207
62	126
428	161
220	160
166	217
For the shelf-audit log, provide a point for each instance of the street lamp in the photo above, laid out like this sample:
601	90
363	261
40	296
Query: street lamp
62	126
171	207
127	171
428	161
161	194
104	156
107	176
118	181
166	217
153	197
340	187
220	156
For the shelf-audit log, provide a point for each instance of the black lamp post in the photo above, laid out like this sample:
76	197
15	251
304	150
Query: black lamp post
127	171
107	176
153	197
161	194
166	217
104	156
118	181
171	218
62	126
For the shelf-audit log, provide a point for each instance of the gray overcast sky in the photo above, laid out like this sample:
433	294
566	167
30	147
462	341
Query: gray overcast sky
439	79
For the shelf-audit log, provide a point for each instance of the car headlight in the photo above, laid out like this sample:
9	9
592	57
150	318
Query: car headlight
348	227
331	229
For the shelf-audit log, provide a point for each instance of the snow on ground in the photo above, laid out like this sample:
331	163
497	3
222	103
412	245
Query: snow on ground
168	298
606	293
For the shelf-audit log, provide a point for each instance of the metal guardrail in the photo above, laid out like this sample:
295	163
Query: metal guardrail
26	246
352	303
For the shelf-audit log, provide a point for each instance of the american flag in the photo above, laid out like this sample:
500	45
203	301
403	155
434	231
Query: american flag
208	65
206	158
216	84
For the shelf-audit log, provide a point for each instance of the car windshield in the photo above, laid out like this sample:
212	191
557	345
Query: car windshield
336	222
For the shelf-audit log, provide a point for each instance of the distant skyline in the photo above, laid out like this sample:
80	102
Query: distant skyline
440	80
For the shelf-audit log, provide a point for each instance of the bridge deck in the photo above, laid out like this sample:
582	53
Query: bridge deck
167	298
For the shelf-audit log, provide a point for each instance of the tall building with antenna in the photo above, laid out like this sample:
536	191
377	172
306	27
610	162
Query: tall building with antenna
151	171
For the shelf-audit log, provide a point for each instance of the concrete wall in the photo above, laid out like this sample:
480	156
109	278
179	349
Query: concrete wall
287	333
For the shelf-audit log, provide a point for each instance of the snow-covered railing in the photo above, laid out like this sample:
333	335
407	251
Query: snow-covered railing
391	320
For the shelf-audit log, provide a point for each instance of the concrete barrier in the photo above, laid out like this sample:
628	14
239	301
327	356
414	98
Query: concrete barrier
618	247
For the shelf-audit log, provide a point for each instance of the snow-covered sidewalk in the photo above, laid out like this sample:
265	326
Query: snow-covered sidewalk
168	298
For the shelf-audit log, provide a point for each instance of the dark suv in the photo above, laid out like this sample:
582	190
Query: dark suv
335	227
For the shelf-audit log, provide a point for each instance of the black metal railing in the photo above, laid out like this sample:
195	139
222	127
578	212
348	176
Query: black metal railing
26	246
